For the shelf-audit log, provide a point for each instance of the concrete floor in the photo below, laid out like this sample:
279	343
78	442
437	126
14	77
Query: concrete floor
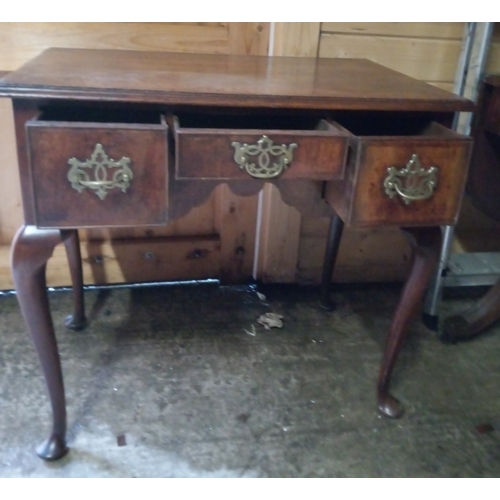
174	375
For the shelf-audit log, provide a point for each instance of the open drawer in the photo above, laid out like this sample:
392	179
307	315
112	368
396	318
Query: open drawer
227	147
402	175
97	167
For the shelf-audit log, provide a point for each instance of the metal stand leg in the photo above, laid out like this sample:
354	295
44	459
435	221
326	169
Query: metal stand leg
469	73
433	297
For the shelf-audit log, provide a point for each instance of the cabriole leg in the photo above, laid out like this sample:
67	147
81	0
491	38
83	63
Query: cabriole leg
425	251
31	249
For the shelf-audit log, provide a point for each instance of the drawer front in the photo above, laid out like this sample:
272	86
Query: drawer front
409	181
88	175
262	154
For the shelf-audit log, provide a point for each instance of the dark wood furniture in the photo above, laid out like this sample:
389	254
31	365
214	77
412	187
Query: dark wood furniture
118	138
483	189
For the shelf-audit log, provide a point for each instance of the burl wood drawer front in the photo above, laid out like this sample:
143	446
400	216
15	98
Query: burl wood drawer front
95	174
257	150
404	181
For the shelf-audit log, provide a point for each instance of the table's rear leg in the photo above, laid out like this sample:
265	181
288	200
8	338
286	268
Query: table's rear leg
77	320
31	249
332	247
425	252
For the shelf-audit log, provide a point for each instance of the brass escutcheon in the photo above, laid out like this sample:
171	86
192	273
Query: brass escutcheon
264	168
412	182
100	165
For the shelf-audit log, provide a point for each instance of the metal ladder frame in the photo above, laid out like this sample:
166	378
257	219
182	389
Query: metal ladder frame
469	74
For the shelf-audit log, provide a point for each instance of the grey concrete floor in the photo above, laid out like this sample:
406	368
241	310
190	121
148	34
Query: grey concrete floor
174	376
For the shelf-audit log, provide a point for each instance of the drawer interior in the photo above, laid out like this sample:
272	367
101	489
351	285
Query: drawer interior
389	125
251	121
86	114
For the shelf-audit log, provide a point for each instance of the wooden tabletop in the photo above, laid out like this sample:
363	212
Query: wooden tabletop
223	80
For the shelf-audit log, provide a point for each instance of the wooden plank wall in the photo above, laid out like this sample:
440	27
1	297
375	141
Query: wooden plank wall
290	246
214	240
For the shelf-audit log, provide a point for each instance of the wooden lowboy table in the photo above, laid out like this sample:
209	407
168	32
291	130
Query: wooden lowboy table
119	138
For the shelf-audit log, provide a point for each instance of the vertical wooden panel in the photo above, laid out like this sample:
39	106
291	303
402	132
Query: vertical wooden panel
296	39
236	216
279	228
248	38
279	239
236	223
11	215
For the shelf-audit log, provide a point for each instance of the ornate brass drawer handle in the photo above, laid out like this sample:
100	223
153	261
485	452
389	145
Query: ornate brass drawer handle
100	165
412	182
265	148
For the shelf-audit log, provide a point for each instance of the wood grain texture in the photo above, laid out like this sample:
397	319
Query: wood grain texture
248	38
279	239
11	214
236	216
198	221
236	224
131	261
20	42
365	255
209	153
371	205
279	224
23	112
296	39
361	200
243	81
59	204
413	30
184	37
421	58
151	259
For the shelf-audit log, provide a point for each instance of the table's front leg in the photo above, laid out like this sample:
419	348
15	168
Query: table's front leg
425	252
31	249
